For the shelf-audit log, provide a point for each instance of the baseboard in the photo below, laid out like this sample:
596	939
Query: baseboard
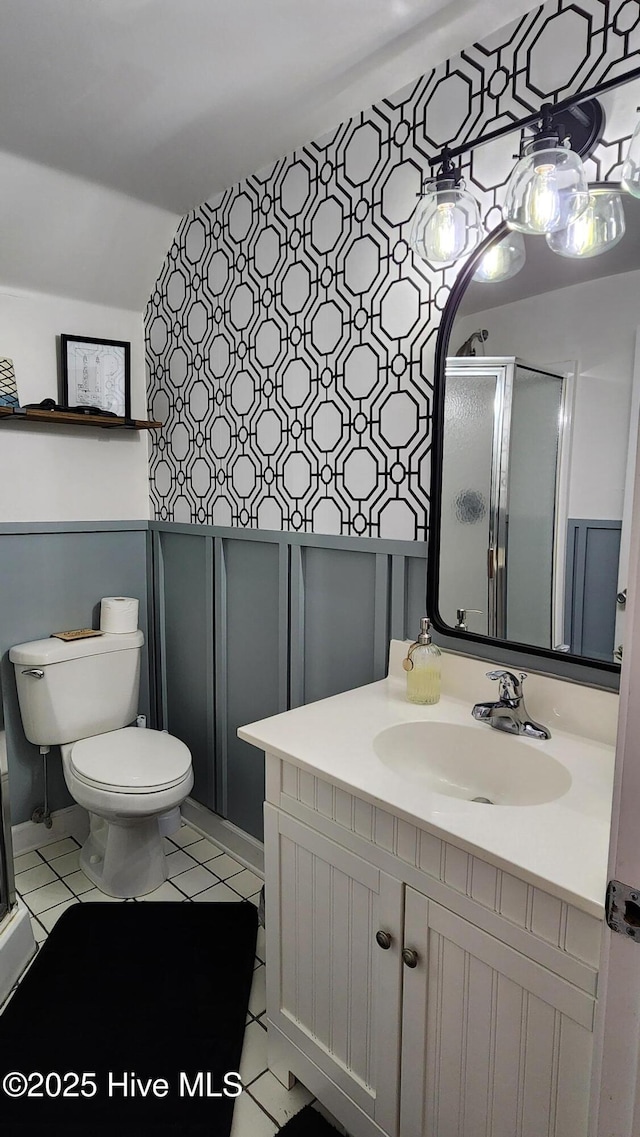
73	821
245	848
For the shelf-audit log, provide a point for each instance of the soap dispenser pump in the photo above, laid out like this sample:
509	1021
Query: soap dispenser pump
422	665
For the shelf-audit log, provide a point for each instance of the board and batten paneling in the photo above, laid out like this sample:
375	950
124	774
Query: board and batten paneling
593	556
185	638
250	623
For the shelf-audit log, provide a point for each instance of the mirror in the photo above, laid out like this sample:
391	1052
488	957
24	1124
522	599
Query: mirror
539	390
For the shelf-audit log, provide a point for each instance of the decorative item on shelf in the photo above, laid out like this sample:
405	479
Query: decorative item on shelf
600	227
548	188
96	374
503	260
446	224
8	387
51	405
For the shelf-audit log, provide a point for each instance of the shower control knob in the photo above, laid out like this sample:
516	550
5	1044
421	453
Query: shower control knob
409	957
383	940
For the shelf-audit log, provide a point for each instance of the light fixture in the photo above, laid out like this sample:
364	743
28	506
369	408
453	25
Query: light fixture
630	174
446	224
502	260
548	188
597	229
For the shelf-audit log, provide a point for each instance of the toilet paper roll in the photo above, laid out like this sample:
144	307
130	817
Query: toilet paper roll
118	614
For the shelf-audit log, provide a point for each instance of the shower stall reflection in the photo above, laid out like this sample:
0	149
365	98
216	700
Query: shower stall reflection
502	518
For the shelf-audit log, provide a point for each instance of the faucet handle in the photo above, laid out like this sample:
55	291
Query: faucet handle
506	678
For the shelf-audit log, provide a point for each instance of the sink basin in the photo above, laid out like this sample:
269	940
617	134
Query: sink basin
467	762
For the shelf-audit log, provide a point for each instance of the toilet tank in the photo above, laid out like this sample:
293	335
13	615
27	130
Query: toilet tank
87	687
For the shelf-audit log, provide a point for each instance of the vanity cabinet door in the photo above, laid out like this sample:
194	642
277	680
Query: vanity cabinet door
492	1042
331	989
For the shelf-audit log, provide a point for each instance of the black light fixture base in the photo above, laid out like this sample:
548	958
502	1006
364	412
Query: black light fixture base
582	123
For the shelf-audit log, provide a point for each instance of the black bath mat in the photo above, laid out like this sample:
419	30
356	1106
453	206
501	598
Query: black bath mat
308	1123
124	993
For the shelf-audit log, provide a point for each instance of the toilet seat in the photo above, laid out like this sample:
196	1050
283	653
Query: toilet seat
131	761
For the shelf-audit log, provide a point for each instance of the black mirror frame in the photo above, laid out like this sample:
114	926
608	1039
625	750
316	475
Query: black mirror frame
435	494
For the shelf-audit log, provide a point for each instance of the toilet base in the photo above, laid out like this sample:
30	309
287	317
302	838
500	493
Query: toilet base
124	857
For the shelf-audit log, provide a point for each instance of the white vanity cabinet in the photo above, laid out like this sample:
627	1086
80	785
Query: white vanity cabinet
485	1028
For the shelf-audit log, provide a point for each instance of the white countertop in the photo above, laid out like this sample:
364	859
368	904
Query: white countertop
560	846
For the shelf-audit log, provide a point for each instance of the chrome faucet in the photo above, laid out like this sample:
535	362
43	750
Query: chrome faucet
509	712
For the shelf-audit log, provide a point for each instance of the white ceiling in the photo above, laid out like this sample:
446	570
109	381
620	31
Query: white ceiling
170	101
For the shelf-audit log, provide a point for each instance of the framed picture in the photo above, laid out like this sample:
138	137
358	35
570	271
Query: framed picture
96	373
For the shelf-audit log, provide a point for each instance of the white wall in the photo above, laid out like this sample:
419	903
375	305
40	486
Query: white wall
68	473
594	323
79	259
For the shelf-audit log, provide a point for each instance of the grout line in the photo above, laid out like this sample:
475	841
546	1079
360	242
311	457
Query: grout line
259	1104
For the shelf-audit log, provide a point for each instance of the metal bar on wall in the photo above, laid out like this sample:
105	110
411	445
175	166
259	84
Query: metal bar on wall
533	119
296	626
220	673
209	616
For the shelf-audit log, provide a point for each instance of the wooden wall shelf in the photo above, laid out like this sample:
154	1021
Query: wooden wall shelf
66	418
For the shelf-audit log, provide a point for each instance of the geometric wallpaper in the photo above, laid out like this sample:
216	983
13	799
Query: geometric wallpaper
290	334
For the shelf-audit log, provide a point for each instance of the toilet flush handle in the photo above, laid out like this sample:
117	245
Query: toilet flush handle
37	672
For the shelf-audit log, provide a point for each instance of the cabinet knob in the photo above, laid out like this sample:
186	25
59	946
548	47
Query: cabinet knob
409	957
383	940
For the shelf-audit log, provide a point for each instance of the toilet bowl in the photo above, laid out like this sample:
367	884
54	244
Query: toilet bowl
82	695
126	779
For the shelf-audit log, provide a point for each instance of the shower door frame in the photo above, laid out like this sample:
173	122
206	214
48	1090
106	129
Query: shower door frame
7	878
503	369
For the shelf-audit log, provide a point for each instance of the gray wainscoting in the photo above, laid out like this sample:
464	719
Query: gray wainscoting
53	576
593	553
250	622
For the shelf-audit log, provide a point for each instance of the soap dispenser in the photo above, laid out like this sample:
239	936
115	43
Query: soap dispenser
422	665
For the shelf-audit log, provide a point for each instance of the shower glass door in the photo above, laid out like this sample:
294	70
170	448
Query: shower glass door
499	486
473	511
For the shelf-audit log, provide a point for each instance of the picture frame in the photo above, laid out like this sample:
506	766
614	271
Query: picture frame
96	373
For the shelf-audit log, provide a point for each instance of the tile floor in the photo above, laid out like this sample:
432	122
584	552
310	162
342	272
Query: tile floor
50	879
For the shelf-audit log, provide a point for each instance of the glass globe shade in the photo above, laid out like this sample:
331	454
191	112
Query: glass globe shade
547	190
597	229
502	260
446	224
630	174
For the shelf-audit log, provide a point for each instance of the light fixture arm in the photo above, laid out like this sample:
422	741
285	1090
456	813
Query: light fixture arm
533	119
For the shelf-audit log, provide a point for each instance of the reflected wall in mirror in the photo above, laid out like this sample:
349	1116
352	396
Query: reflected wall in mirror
539	446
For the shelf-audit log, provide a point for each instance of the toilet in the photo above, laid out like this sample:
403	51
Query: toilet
82	695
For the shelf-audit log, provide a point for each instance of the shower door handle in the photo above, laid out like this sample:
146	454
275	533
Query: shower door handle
37	672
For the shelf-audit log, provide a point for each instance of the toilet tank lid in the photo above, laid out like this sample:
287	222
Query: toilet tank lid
39	653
